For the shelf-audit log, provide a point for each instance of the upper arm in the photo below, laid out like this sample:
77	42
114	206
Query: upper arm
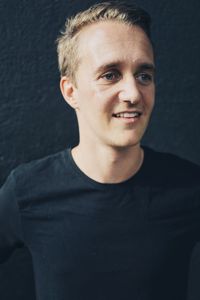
10	225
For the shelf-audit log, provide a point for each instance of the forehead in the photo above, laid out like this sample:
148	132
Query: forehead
108	41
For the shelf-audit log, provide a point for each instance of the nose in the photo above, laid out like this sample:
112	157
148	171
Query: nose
129	91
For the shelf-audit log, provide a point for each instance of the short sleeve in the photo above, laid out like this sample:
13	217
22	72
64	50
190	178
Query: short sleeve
10	225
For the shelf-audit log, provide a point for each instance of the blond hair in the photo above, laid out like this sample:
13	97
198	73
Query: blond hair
67	42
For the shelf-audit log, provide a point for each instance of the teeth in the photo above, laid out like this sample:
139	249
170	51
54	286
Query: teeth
128	115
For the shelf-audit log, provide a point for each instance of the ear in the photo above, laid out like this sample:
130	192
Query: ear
68	91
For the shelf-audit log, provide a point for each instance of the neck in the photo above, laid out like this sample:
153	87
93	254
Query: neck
106	164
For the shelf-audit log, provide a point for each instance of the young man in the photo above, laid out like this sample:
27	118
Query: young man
108	219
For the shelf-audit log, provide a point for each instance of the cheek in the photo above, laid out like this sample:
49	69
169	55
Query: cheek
107	99
149	97
96	99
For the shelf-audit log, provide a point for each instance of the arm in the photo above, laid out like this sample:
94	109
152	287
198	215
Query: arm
10	226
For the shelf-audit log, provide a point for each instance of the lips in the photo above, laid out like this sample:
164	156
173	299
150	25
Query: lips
128	114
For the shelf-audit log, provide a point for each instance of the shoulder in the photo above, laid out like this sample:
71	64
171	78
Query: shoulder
38	178
40	166
170	168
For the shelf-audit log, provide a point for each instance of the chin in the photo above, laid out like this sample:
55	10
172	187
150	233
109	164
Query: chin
131	141
126	144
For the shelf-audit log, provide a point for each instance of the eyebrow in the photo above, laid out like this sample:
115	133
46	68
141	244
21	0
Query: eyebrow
147	67
140	67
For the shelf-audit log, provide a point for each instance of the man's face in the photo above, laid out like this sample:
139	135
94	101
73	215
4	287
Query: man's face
114	84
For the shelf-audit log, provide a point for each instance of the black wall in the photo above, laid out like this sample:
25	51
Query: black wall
34	119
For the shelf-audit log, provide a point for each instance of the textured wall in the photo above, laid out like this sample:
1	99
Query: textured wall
35	120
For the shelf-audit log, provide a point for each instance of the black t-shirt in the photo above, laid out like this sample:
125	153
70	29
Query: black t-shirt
88	240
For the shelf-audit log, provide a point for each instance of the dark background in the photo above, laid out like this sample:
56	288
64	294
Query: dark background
34	119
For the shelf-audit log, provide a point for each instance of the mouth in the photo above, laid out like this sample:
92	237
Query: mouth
127	115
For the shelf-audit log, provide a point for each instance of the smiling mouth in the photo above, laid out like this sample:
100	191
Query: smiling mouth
128	115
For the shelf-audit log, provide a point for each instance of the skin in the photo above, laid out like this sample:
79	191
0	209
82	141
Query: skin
115	74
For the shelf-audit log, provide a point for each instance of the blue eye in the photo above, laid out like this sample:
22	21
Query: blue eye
111	76
144	78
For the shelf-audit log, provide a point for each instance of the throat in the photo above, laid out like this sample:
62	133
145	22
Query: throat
108	167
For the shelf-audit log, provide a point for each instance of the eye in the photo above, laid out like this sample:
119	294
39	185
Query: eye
144	78
111	76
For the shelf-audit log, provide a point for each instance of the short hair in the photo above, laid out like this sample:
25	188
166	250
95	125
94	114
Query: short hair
67	42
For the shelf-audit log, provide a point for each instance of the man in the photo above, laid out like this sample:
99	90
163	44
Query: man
108	219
